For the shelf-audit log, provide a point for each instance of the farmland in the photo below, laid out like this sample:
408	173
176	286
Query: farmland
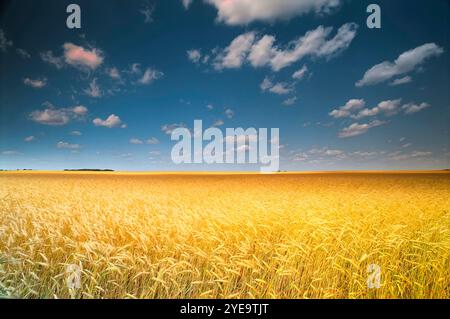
142	235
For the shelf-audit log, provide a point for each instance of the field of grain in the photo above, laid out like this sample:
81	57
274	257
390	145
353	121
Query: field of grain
224	236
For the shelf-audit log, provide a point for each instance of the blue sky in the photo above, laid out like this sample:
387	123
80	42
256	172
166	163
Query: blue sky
106	96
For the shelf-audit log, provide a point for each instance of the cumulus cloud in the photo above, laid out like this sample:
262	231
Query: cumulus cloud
194	55
280	88
218	123
29	139
136	141
169	128
75	133
300	74
65	145
412	108
356	129
356	109
347	109
290	101
57	117
235	54
262	51
36	83
80	57
149	76
405	63
94	89
114	73
4	42
111	122
241	12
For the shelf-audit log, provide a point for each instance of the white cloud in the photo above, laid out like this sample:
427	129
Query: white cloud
11	153
405	63
280	88
93	90
347	109
186	3
412	108
398	156
37	83
136	141
241	12
152	141
229	113
111	122
169	128
235	54
300	74
210	107
400	81
4	42
290	101
23	54
114	73
50	58
75	133
356	129
149	76
194	55
65	145
56	117
355	109
29	138
78	56
262	51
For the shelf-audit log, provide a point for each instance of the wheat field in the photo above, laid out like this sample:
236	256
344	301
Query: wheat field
224	235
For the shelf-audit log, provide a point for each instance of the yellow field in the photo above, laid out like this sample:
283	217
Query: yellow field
225	236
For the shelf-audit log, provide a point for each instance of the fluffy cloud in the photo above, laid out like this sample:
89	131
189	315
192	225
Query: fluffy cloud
111	122
235	54
405	63
147	12
356	129
194	55
113	73
290	101
300	74
169	128
80	57
280	88
37	83
241	12
65	145
136	141
4	42
149	76
56	117
355	109
29	139
347	109
75	133
152	141
412	108
262	51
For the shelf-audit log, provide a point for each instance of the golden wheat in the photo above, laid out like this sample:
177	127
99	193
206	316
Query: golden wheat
224	236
